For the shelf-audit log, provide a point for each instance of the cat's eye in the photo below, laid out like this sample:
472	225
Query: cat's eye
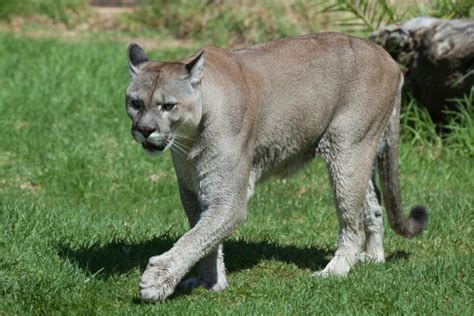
168	106
136	104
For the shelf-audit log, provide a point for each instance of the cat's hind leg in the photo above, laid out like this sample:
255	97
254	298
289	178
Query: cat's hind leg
373	221
350	165
211	273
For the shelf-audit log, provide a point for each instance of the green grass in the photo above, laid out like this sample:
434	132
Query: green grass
82	209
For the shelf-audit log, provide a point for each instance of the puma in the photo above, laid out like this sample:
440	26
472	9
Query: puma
234	118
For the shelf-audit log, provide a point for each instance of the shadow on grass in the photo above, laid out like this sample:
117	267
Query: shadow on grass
121	256
398	256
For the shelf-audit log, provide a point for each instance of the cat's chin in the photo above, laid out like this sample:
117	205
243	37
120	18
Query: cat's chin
152	149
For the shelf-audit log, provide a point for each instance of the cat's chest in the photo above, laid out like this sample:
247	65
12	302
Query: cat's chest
187	173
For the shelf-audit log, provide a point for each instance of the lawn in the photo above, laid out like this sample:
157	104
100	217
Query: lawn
82	208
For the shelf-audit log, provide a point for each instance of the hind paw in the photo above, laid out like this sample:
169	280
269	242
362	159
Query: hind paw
371	258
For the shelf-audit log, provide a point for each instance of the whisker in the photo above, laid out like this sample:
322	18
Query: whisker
179	150
179	147
181	136
176	150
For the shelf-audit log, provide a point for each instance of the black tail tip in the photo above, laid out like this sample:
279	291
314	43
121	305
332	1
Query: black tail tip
417	219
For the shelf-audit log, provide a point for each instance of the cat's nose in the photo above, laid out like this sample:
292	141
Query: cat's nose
146	131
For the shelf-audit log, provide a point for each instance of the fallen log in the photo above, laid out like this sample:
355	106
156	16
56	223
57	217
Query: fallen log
437	57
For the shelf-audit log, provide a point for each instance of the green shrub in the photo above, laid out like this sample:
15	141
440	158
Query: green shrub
223	22
460	126
456	135
249	21
417	127
448	9
65	11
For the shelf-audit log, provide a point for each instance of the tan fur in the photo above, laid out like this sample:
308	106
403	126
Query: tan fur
242	116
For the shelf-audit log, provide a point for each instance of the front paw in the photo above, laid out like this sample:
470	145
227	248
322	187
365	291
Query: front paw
157	281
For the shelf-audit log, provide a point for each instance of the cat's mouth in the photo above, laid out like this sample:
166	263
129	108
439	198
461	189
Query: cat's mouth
153	148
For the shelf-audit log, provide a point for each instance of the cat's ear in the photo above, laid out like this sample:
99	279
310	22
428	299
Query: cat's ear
195	68
136	58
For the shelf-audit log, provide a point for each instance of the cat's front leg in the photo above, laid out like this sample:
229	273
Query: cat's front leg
164	272
211	268
224	212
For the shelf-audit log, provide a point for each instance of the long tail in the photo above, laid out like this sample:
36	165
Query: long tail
388	169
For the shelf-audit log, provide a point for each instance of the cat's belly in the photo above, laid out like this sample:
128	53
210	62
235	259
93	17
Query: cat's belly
281	161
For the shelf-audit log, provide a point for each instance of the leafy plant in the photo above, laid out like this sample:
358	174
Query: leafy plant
460	126
417	127
456	135
361	15
448	9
